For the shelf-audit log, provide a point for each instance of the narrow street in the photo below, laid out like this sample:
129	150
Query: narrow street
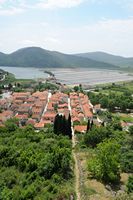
45	109
76	168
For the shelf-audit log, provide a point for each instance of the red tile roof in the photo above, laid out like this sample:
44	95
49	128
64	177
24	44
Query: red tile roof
80	128
39	125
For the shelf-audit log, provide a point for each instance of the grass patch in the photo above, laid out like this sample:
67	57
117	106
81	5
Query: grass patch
124	117
88	191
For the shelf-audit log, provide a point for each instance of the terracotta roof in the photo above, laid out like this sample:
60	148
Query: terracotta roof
7	113
36	110
75	119
63	105
31	121
36	116
80	128
2	125
21	93
124	124
49	115
39	125
24	116
80	115
46	122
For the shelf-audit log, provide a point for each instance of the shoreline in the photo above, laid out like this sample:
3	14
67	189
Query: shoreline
72	77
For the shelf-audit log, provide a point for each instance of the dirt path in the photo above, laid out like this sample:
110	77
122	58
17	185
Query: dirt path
76	168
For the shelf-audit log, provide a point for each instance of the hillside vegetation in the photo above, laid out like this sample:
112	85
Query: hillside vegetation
108	58
38	57
34	165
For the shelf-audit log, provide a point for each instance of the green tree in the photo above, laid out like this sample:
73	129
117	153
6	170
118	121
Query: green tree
131	130
11	124
88	125
76	88
130	184
96	135
62	126
105	166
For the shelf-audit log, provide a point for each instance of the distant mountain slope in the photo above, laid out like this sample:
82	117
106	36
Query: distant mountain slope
38	57
108	58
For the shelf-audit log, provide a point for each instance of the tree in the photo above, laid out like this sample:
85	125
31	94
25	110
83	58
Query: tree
96	135
10	86
105	166
76	88
62	125
116	125
56	107
11	124
92	123
131	130
35	165
56	124
130	184
69	127
88	125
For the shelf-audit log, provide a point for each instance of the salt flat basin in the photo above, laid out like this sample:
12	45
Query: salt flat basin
71	75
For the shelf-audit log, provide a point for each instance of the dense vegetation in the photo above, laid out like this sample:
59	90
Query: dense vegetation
37	57
34	165
105	165
109	58
46	86
114	98
63	125
130	184
112	151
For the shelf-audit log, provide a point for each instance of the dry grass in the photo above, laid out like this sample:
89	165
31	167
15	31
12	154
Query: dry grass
91	189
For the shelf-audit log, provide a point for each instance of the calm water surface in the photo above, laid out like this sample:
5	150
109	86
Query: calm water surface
71	76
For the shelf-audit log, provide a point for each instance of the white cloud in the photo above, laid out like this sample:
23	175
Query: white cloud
27	42
12	7
2	1
51	40
11	11
54	4
114	36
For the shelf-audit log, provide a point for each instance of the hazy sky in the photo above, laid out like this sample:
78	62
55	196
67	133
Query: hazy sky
69	26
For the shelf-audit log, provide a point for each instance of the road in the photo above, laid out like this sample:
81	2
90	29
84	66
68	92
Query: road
45	109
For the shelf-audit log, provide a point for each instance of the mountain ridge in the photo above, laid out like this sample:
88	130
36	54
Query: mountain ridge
109	58
39	57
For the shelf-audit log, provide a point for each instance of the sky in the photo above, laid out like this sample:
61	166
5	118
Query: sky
69	26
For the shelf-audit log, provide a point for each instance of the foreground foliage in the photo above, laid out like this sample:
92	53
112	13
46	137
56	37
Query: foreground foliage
130	184
105	165
35	165
113	101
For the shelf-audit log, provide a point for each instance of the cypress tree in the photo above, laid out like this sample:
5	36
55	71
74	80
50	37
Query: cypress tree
88	125
69	127
92	123
102	123
62	126
56	124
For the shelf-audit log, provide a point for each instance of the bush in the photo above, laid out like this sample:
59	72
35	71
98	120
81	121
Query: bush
96	135
130	184
105	166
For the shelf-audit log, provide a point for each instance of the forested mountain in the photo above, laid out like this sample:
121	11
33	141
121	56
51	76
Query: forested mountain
38	57
108	58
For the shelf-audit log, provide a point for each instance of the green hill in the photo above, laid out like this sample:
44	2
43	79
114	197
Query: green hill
38	57
108	58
